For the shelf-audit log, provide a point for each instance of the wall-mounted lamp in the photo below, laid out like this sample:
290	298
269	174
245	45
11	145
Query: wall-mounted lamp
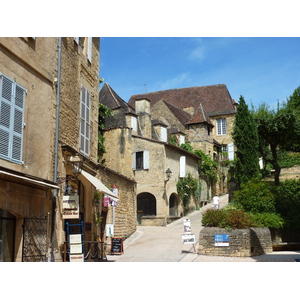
168	172
76	164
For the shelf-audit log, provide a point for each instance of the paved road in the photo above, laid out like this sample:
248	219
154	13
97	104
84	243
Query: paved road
163	244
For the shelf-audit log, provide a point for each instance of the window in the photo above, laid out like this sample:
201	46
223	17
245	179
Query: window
181	139
85	121
163	132
140	160
133	123
12	101
221	126
182	163
86	45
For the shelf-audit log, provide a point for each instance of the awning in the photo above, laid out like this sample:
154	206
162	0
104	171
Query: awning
97	184
36	182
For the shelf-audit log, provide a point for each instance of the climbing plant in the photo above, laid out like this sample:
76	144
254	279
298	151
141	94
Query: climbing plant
186	188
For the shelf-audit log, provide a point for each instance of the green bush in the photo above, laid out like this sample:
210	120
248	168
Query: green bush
288	202
255	197
270	220
227	218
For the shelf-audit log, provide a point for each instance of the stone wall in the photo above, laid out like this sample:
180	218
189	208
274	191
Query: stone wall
125	212
242	242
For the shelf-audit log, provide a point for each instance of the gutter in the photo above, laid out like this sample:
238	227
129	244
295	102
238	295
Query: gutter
55	179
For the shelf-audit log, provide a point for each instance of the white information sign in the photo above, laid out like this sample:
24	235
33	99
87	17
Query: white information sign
75	238
70	207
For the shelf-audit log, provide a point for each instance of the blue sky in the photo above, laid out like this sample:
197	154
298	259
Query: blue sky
260	69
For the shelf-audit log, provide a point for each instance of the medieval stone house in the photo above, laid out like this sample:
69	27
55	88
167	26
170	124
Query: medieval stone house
137	146
50	179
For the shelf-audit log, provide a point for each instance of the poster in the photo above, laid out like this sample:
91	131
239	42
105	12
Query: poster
109	230
188	239
187	226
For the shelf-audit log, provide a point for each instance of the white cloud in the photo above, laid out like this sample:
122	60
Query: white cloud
176	82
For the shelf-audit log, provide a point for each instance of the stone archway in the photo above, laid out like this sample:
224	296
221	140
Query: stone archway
146	206
7	236
173	205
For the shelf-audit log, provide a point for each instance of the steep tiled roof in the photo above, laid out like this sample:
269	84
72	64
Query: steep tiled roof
111	99
180	114
214	98
200	116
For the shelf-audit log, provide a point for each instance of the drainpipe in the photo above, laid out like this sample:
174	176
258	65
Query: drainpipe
54	198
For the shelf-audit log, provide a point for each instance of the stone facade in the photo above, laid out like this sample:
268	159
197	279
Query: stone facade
242	242
57	103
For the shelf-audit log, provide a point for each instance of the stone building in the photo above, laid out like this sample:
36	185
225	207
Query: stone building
205	115
50	179
137	146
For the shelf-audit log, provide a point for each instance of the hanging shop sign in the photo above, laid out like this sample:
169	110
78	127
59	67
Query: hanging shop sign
70	207
221	240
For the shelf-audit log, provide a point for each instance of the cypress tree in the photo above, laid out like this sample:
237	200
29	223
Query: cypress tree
245	138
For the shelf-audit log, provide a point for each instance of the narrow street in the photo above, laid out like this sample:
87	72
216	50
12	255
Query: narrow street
163	244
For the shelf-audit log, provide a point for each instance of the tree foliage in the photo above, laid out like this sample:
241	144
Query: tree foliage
276	129
246	142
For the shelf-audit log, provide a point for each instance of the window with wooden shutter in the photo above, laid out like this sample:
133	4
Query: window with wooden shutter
12	103
182	166
140	160
85	121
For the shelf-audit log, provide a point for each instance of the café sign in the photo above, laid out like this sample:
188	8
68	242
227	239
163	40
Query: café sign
70	207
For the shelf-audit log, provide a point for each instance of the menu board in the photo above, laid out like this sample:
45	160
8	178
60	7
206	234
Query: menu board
116	245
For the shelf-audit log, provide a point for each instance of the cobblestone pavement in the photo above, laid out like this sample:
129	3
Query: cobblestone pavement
163	244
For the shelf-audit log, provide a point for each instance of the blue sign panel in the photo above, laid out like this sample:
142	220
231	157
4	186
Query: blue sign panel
221	237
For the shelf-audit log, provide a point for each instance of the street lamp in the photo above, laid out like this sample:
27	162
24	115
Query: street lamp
168	172
76	164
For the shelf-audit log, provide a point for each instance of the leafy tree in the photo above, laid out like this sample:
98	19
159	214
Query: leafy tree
293	107
246	142
276	129
103	113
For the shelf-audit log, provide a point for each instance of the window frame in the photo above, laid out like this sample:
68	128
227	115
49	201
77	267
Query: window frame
221	126
141	162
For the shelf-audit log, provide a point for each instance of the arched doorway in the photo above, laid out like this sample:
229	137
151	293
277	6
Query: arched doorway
146	206
173	205
7	236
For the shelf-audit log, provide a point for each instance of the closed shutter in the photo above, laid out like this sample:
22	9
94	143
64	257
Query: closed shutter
230	149
163	131
146	160
133	161
11	119
89	49
85	121
182	164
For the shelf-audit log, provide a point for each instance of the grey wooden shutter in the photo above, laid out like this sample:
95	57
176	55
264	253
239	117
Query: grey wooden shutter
12	103
85	121
6	89
146	160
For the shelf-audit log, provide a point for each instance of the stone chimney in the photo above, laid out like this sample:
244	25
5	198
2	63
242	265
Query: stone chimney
142	109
